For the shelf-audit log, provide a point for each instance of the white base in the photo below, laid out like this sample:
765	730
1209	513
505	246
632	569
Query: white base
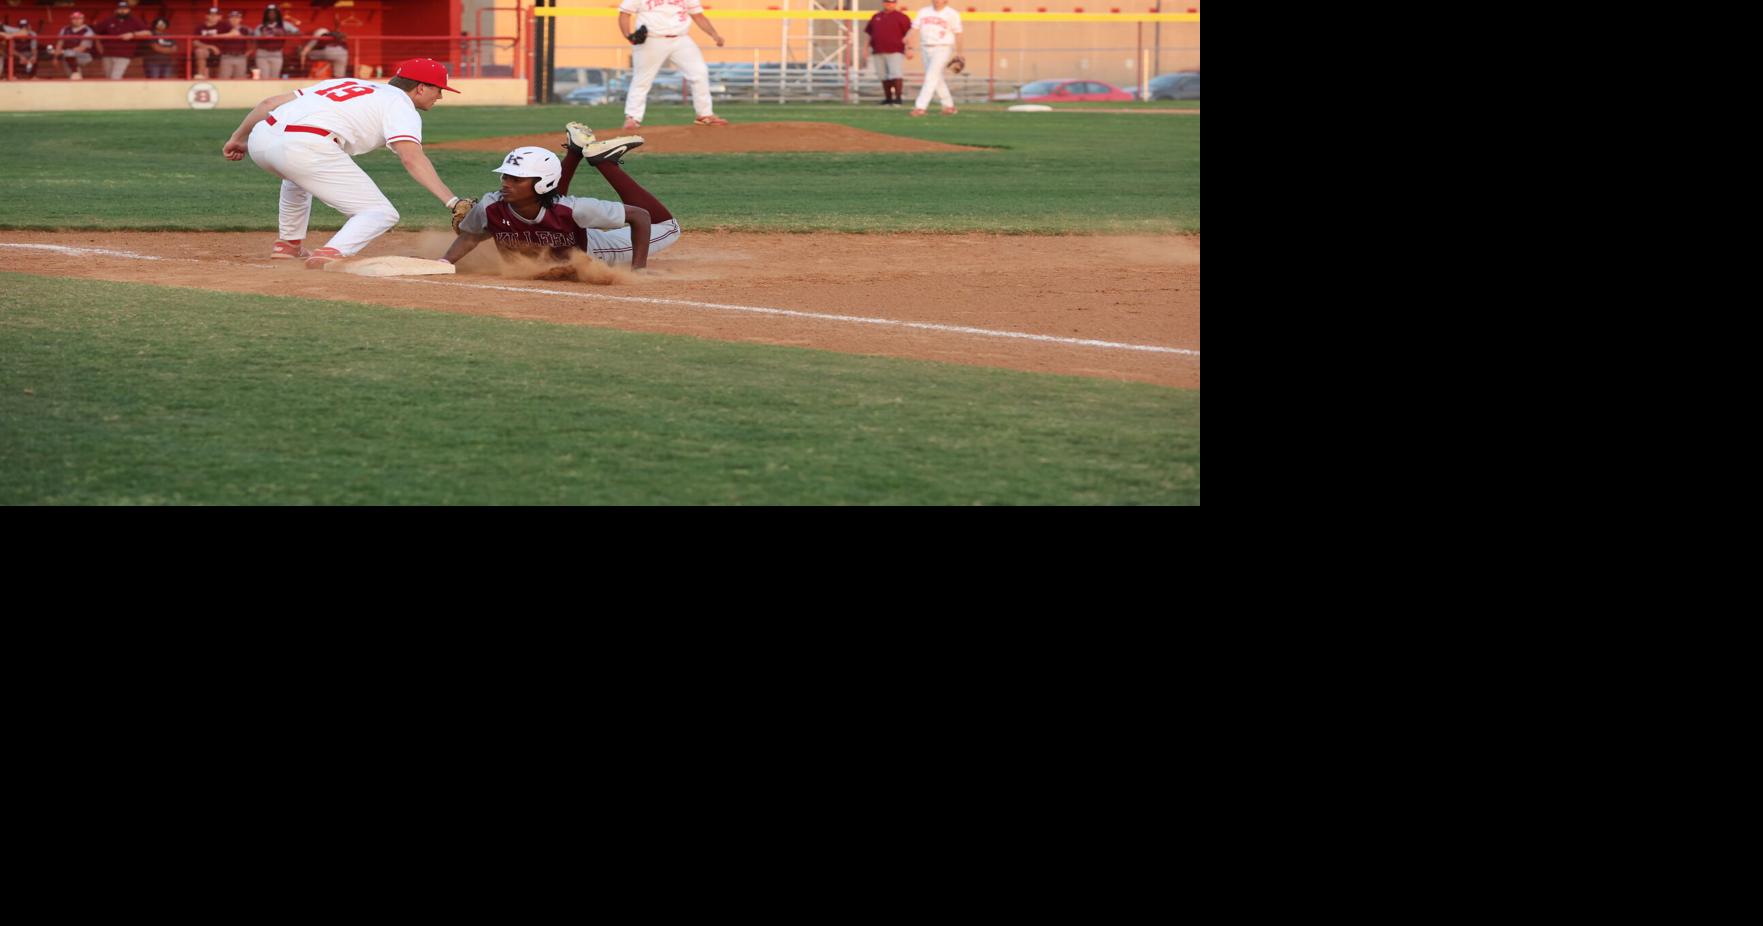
393	267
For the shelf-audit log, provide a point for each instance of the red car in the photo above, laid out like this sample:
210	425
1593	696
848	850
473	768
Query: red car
1073	91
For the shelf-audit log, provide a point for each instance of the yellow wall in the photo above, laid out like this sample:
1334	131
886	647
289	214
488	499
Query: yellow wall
44	95
1025	51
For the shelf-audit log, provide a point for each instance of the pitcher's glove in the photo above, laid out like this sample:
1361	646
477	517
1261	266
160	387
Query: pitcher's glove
461	208
957	64
640	36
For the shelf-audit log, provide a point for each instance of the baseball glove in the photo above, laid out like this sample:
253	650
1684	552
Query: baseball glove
957	64
461	209
640	36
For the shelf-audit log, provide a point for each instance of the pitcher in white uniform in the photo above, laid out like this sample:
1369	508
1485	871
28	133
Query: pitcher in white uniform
939	36
667	22
310	138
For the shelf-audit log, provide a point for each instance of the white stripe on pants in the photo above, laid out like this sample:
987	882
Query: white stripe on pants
313	165
647	60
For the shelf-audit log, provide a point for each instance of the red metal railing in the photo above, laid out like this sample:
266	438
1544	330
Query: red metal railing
463	54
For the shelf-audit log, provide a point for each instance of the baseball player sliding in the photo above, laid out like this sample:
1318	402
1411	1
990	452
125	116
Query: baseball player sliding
531	214
309	138
661	36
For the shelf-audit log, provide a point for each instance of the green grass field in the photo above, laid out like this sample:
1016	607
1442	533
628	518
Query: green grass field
1040	173
120	394
114	394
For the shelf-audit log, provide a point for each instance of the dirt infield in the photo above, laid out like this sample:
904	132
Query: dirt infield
737	138
1123	308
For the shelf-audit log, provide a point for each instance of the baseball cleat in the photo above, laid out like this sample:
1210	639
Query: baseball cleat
710	120
918	112
631	125
323	256
612	149
949	110
288	250
579	135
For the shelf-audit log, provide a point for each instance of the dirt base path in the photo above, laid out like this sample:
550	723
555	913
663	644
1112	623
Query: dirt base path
1124	308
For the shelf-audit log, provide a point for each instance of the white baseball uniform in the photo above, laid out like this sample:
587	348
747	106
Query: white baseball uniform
669	21
311	143
936	38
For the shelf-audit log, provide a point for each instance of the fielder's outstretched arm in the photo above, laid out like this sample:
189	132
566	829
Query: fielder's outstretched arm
422	171
234	149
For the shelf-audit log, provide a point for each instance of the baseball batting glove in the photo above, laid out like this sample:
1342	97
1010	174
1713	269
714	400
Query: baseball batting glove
957	64
578	138
640	36
461	208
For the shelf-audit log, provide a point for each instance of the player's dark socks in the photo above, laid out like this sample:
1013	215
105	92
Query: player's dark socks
631	194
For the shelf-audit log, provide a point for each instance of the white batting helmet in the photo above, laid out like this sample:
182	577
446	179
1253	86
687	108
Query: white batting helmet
533	162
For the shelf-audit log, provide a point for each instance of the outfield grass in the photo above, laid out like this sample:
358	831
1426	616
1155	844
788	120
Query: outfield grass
1040	173
123	394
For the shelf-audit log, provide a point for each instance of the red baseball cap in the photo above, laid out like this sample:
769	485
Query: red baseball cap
426	70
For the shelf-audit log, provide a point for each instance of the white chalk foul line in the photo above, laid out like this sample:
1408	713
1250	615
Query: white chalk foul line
89	252
820	316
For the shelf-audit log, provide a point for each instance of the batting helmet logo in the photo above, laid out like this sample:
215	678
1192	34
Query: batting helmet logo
533	162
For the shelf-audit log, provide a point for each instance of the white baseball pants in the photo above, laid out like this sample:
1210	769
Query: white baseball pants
314	165
648	59
936	58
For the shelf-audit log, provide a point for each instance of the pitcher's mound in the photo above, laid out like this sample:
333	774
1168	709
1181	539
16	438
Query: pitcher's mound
735	138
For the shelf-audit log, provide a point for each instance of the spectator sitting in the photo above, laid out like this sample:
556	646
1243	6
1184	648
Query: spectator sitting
22	51
206	53
74	48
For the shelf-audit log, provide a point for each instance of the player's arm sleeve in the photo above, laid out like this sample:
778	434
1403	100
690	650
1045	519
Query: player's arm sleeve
477	221
694	8
594	213
402	124
630	6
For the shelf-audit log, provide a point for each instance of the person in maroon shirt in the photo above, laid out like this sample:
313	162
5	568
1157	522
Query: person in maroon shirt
234	48
271	44
206	51
121	26
888	52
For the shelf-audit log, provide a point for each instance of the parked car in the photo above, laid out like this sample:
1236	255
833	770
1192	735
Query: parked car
1073	91
590	95
564	79
1183	85
669	87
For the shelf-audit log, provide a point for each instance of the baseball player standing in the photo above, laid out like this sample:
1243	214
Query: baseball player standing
939	34
887	49
120	29
661	36
309	139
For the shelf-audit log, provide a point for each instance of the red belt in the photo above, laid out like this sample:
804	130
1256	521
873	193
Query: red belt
303	128
673	36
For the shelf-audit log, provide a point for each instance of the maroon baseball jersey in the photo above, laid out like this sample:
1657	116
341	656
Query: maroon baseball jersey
267	34
887	32
116	48
234	45
560	229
